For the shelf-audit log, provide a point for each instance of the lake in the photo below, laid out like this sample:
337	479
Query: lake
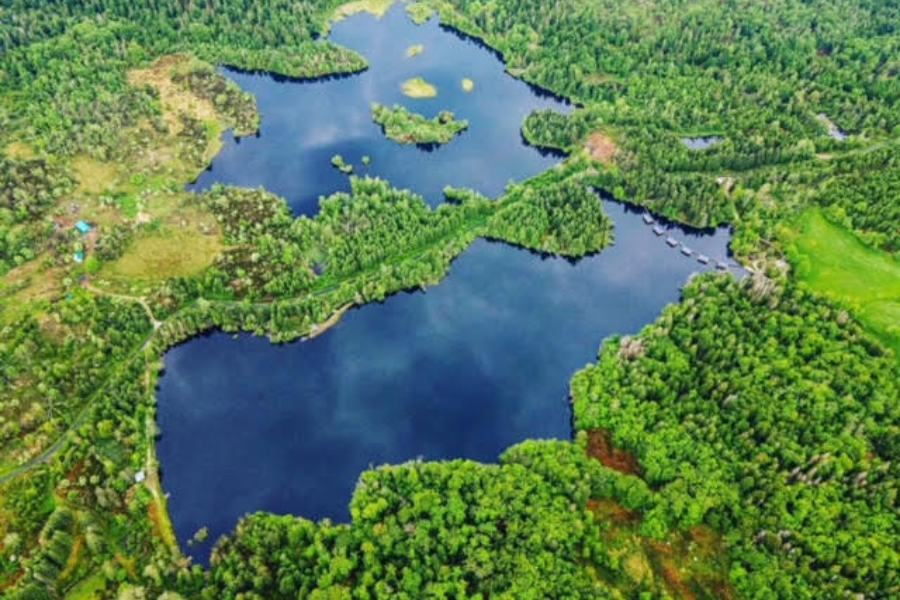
305	124
465	370
468	368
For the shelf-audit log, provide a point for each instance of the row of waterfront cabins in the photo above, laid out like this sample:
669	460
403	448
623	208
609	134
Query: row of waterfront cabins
672	242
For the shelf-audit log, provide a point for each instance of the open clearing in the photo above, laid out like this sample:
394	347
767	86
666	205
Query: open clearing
833	261
175	99
170	252
94	177
602	148
374	7
419	13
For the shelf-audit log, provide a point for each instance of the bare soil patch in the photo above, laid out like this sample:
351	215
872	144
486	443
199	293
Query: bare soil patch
602	148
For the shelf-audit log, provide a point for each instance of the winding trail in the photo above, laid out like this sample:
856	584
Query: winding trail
142	300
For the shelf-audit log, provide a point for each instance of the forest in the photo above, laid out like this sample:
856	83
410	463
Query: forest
745	445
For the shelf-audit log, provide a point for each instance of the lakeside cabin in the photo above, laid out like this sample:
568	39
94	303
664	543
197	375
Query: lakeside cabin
672	241
686	251
83	227
648	220
658	230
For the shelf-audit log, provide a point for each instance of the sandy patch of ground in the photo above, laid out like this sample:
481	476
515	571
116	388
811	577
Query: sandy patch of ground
602	148
20	150
418	88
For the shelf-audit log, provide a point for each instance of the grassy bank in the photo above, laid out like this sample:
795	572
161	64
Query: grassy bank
833	261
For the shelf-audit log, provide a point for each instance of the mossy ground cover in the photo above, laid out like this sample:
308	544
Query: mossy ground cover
175	99
419	13
91	588
19	150
688	565
181	246
835	262
373	7
419	88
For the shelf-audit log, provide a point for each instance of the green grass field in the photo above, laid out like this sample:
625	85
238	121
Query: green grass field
833	261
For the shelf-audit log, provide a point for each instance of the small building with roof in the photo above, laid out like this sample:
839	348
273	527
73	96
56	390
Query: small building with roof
83	227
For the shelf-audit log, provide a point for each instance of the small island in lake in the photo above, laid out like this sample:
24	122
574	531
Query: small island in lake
467	84
407	127
337	161
419	88
415	50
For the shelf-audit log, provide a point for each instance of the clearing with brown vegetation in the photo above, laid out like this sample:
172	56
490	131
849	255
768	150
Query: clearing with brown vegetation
175	99
600	446
602	148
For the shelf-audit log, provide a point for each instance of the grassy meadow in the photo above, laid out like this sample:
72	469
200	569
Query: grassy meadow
833	261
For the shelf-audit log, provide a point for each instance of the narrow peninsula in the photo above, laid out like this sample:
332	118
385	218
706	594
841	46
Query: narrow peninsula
407	127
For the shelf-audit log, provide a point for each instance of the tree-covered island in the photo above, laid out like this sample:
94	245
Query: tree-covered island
406	127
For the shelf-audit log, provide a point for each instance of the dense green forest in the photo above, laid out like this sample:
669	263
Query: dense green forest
746	445
769	415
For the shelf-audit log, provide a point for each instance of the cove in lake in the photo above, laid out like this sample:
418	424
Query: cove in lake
465	370
304	124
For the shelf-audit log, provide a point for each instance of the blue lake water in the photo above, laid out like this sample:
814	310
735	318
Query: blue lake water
468	368
305	124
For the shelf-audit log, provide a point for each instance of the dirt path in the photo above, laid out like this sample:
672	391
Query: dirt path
139	299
